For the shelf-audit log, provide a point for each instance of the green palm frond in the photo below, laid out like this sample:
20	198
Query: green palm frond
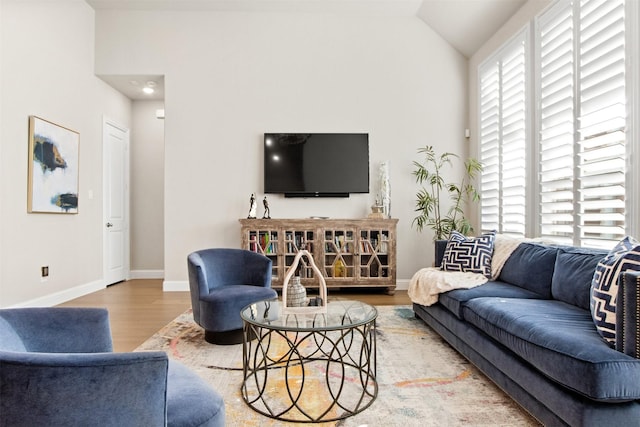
429	177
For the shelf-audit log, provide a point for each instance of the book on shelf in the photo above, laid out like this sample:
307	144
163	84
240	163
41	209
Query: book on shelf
366	247
268	243
271	249
253	244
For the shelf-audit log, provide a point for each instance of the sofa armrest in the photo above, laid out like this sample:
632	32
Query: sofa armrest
628	314
76	389
61	329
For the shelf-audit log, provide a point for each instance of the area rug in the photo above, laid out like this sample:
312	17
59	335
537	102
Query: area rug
422	381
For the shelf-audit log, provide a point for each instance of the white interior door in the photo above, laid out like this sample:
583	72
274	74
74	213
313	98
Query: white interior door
116	207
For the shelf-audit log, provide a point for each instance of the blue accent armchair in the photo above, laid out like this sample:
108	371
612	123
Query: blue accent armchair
57	368
222	282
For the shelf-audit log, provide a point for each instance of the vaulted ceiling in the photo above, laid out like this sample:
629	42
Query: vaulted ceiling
465	24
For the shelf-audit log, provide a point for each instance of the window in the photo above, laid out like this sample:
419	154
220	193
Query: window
581	108
503	129
576	154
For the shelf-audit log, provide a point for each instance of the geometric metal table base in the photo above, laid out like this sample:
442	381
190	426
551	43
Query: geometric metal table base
311	369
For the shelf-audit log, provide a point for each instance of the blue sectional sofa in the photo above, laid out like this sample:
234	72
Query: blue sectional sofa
532	333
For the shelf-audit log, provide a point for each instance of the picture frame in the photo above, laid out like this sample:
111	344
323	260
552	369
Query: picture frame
54	159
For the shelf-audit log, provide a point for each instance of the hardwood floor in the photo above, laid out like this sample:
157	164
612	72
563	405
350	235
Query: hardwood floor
139	308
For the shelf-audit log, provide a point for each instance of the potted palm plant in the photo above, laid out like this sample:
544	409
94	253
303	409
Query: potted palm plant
432	212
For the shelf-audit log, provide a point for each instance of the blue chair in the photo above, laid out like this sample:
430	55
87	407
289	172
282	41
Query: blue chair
222	282
58	368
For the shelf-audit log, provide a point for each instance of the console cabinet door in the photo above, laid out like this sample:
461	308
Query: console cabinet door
376	260
264	241
340	257
297	239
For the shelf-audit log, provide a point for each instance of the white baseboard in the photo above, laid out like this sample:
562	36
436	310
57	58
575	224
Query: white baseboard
146	274
63	296
175	286
402	285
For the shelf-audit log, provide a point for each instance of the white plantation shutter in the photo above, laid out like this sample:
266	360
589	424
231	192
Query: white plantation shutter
503	140
602	122
514	137
490	148
556	123
581	192
582	116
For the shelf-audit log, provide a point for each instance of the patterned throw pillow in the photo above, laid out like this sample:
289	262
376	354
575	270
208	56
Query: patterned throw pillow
604	286
469	254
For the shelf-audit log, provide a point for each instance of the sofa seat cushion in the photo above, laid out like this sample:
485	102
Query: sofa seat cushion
190	401
220	310
454	300
561	341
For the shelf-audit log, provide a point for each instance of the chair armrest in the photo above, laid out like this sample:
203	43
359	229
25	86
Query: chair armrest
83	389
61	329
628	314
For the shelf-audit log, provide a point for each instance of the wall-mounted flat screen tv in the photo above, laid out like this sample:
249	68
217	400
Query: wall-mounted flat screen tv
316	164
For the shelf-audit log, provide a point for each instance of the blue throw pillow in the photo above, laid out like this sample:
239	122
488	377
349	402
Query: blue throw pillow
604	286
469	254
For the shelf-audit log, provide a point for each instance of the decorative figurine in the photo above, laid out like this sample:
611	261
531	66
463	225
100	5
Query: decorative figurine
267	212
253	207
377	209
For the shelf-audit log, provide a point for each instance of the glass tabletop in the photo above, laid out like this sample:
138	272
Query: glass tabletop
341	314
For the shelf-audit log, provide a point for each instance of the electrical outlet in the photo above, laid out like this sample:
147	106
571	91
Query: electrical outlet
44	271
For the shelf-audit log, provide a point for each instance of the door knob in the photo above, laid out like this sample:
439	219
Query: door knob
109	225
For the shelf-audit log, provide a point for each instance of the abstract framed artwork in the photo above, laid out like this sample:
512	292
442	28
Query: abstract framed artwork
53	168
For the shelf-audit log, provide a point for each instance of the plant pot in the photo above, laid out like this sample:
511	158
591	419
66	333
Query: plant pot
440	246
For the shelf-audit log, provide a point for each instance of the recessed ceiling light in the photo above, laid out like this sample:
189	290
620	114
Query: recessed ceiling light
148	90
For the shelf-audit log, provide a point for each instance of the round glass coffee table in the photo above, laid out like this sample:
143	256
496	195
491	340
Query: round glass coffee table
309	367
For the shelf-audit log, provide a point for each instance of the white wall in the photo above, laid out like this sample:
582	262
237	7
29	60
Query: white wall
147	190
231	76
47	61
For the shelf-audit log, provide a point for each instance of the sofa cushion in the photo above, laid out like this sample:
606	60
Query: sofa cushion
572	275
469	254
454	300
220	309
560	341
191	401
604	287
530	266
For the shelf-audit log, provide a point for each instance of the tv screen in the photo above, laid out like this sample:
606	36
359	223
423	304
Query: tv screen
316	164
